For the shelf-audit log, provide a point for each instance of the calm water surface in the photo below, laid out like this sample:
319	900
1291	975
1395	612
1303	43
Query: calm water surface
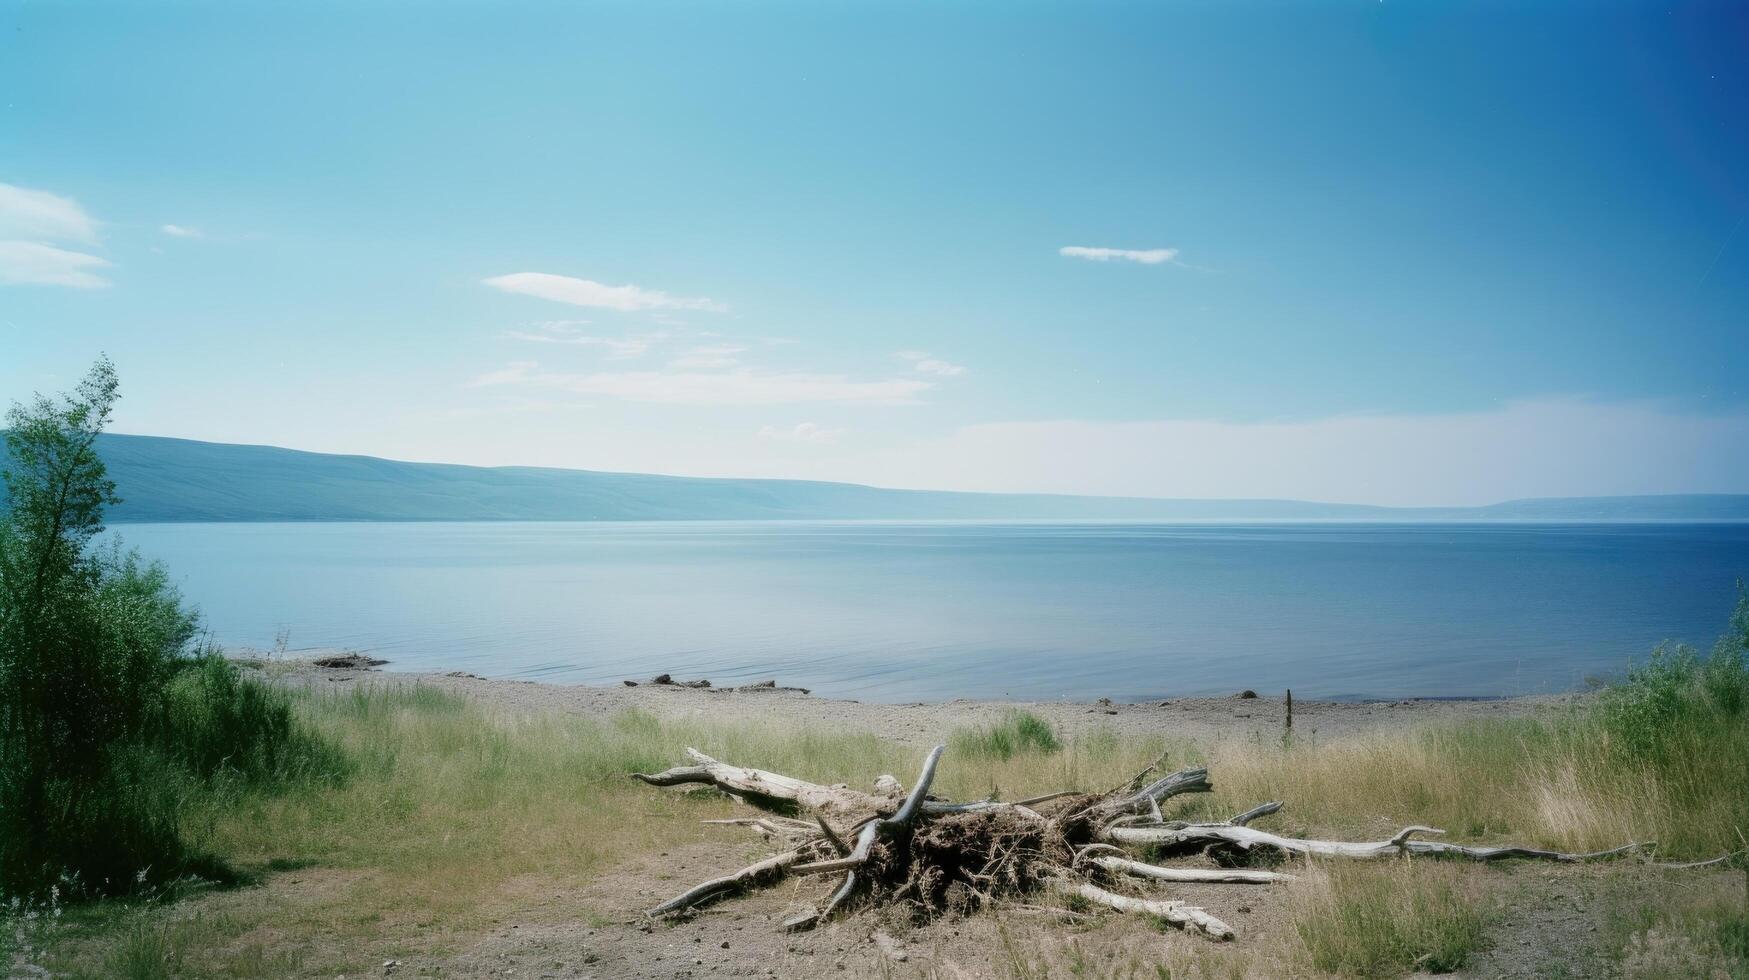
897	612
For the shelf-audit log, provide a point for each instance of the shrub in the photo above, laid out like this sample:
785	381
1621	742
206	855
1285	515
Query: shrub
1018	732
108	725
1678	693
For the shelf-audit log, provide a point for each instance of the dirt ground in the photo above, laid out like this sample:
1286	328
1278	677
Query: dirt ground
1550	923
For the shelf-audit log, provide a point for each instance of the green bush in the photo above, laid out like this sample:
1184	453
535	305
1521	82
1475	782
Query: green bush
111	724
218	724
1680	698
1018	732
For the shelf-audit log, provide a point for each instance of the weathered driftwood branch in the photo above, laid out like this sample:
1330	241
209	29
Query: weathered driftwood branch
901	819
1215	876
1149	797
1246	838
1260	810
768	786
763	873
1177	913
996	851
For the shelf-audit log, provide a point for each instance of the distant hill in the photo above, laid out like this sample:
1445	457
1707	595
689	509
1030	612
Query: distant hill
184	480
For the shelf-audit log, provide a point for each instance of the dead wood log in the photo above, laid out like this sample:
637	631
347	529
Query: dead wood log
900	820
1177	913
1260	810
1148	798
768	786
763	873
1216	876
1197	836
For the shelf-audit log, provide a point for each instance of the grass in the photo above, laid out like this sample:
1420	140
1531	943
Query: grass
456	814
1018	733
1387	920
453	810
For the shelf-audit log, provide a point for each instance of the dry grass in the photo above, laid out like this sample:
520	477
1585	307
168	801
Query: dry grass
459	815
1389	919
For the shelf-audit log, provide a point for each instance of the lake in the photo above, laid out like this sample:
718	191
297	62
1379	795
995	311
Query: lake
931	611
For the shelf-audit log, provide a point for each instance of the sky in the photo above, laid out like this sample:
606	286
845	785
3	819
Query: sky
1377	252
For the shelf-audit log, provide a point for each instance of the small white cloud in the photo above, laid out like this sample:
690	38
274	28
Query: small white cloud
34	214
803	432
181	231
587	292
1146	256
923	363
31	263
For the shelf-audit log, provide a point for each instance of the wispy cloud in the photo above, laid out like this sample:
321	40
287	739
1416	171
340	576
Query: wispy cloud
587	292
29	220
740	386
1146	256
32	263
512	373
923	363
569	332
802	432
181	231
708	357
39	215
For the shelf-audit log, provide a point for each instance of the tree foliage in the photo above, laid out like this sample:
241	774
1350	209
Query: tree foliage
110	717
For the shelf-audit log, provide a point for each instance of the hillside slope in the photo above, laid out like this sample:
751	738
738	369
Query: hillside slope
164	479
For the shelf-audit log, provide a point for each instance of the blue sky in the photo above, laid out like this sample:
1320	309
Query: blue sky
1391	252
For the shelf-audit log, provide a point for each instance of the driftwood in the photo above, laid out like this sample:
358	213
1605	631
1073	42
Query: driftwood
1177	913
770	787
1200	836
936	855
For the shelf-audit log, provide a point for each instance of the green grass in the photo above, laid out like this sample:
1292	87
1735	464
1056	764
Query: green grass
1387	920
1018	733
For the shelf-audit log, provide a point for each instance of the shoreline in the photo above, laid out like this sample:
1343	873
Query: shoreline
926	723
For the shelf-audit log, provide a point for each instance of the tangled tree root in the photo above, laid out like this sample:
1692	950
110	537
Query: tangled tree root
933	856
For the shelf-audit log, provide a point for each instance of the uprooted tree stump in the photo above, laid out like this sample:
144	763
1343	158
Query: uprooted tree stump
934	856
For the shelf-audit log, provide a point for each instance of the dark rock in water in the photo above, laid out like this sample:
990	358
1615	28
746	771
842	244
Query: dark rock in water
1247	694
631	683
667	680
349	661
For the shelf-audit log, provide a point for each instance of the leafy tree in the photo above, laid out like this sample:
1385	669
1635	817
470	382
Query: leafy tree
109	718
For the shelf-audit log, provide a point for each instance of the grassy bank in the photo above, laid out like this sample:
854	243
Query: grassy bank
457	816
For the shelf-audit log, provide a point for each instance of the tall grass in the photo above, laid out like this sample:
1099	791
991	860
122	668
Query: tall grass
1384	921
1652	758
1016	733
